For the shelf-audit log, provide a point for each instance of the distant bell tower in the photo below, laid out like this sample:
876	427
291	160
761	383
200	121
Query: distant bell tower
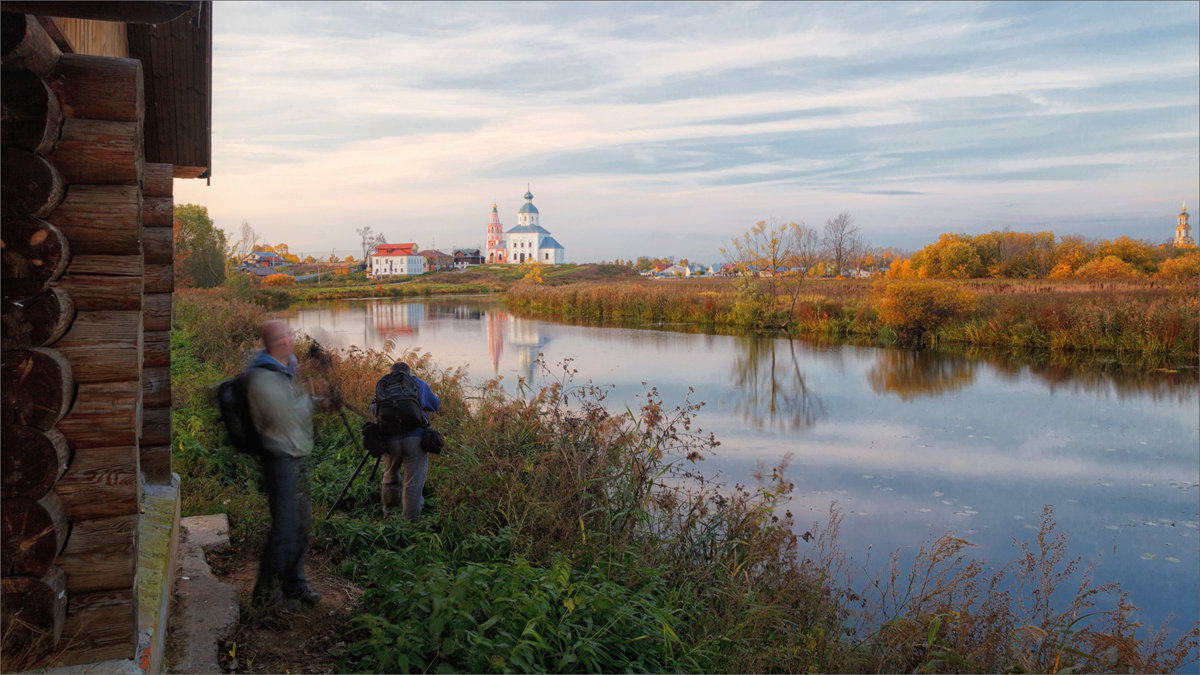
1183	232
528	215
495	238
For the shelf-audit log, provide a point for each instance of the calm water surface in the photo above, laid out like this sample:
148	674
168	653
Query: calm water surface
909	445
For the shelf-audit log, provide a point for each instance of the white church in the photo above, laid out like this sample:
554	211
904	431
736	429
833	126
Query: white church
526	242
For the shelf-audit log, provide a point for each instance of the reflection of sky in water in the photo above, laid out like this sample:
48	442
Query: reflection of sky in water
909	446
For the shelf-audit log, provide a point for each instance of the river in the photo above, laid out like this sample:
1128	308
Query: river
908	444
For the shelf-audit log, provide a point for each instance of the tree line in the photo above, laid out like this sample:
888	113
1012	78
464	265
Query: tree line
1042	255
204	254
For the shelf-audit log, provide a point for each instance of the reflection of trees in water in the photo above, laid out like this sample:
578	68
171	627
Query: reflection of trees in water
911	374
1088	375
928	373
770	388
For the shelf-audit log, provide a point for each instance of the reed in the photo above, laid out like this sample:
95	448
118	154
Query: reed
1150	322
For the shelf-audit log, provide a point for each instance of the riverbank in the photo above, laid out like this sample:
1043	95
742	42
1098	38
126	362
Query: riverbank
478	279
1150	323
552	543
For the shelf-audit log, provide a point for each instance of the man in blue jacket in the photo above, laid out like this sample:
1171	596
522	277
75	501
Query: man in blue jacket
405	464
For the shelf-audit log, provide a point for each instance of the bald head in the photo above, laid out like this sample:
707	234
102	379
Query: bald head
277	340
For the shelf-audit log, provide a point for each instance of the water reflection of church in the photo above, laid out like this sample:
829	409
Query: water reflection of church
523	335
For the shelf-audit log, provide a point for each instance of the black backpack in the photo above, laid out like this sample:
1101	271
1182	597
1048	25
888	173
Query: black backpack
234	406
235	413
398	404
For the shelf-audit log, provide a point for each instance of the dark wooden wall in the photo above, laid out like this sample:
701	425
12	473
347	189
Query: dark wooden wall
86	229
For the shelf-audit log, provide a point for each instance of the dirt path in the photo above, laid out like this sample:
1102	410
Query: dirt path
279	641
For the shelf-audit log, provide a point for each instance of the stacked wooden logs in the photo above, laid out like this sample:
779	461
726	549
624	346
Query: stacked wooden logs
158	245
74	312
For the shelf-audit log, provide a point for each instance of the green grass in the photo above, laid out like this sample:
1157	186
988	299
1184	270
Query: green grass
478	279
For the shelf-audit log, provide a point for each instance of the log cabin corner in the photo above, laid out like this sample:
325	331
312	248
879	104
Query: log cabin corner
104	105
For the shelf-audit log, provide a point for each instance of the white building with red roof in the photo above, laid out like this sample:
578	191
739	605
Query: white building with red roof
391	260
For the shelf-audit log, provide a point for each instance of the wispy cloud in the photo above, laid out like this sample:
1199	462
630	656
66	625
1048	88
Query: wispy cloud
414	117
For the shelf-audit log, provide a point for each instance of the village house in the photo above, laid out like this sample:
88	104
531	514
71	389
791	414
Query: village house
268	259
390	260
436	260
464	257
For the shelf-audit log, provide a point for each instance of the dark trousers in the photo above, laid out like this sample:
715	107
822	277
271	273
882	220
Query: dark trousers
281	568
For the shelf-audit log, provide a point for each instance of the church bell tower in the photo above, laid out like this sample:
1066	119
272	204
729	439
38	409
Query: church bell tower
1183	232
495	238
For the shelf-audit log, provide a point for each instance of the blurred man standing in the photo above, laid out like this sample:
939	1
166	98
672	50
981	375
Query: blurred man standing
282	413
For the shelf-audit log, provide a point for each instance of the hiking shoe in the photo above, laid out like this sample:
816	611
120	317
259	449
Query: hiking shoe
307	598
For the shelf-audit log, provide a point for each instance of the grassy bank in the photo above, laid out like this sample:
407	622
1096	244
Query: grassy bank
561	536
479	279
1147	322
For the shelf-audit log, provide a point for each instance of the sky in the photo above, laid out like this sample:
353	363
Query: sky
668	129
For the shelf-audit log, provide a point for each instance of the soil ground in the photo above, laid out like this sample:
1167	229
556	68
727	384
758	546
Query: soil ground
276	640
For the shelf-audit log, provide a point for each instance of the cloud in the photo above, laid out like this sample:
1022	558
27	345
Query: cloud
404	114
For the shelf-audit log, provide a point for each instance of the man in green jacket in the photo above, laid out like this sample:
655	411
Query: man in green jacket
282	413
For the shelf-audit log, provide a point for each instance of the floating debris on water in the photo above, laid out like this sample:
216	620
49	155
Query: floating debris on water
925	510
1172	559
1112	527
937	494
1149	556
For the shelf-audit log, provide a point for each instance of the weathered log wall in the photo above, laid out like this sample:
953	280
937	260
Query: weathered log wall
83	296
159	282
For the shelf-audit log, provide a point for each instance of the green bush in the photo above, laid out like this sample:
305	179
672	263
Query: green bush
501	615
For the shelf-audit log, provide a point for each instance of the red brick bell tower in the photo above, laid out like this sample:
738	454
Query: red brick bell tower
496	250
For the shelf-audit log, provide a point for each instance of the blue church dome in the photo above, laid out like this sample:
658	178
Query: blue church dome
528	207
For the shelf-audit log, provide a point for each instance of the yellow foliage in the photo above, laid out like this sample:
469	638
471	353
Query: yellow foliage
900	269
1181	268
914	308
533	272
1061	271
1108	267
280	280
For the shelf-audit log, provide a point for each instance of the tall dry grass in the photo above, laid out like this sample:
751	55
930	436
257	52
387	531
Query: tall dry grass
1151	322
